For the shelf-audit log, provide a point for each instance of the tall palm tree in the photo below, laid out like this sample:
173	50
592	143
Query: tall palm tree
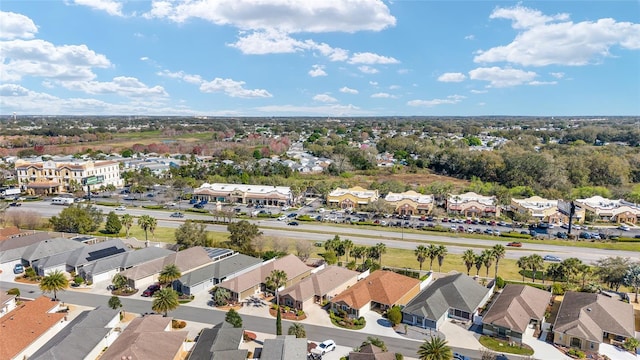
432	253
498	251
165	300
435	349
347	246
487	259
153	224
54	282
571	266
536	262
421	255
127	222
382	249
468	258
555	271
144	222
441	253
169	274
275	280
478	261
584	270
523	264
358	252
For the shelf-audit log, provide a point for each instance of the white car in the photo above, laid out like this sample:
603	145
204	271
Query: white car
325	347
624	227
121	208
282	218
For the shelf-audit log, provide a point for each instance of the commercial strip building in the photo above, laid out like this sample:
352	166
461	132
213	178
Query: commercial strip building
410	203
245	194
618	211
351	198
473	205
545	210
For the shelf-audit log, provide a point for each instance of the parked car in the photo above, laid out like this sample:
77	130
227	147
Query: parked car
585	235
515	244
177	215
551	258
325	347
18	269
199	206
151	290
457	356
121	208
193	201
282	217
561	235
292	215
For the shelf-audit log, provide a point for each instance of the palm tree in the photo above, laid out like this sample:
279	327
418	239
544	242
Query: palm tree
555	271
127	222
54	282
275	280
478	261
298	330
571	266
169	274
441	253
435	349
432	253
523	264
347	246
421	255
165	300
358	252
144	222
584	270
468	258
498	251
119	281
381	249
153	224
487	259
535	263
221	296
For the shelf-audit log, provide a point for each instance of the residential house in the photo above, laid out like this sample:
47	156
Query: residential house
219	343
517	308
382	289
49	247
456	296
253	282
585	320
7	302
318	287
284	347
410	202
12	249
474	205
618	211
544	210
84	337
148	338
148	273
23	329
10	232
245	194
371	352
106	268
352	197
206	277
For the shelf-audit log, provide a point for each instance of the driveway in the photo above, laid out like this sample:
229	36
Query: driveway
616	353
542	349
459	335
377	325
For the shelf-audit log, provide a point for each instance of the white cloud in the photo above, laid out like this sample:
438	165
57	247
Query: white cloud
121	85
324	110
347	90
547	40
394	87
232	88
403	71
470	37
557	75
452	77
14	26
371	58
268	42
383	95
452	99
373	83
479	91
111	7
144	58
285	15
181	75
317	70
368	69
334	54
539	83
325	98
499	77
41	58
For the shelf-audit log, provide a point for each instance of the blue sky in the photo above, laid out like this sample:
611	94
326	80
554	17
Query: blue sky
320	57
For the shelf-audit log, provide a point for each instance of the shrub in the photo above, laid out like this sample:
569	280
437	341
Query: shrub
557	289
394	315
576	353
399	356
14	291
178	324
500	282
515	235
78	280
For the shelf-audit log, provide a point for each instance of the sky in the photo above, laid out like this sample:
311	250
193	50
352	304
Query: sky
320	58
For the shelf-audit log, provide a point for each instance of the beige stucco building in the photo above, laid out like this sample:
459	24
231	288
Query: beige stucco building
245	194
351	197
410	202
618	211
546	210
471	204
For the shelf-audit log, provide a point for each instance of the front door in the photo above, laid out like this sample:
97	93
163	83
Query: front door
576	342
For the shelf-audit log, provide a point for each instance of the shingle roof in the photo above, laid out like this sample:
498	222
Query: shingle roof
14	248
220	269
382	286
320	283
126	260
457	291
284	347
145	338
516	306
219	343
587	316
49	247
186	260
371	352
25	324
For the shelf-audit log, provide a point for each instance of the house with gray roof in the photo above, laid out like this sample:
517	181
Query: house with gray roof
515	309
219	343
585	320
83	338
206	277
11	250
318	287
284	347
455	296
48	248
106	268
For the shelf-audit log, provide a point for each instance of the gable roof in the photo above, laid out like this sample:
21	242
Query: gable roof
457	291
186	260
587	316
126	260
146	338
382	286
320	283
50	247
13	248
284	347
220	269
371	352
9	232
516	306
83	255
219	343
25	324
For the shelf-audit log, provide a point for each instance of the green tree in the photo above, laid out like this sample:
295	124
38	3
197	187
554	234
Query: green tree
478	261
115	303
241	235
169	274
571	268
146	223
358	252
165	300
77	219
421	255
113	225
275	280
127	222
119	281
347	246
191	234
612	270
523	264
54	282
221	296
631	344
498	251
441	253
394	315
535	263
487	259
432	253
279	322
381	248
233	318
632	279
298	330
435	349
375	342
554	271
468	258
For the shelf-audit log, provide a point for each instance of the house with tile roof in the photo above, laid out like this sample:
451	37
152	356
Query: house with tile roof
253	282
382	289
455	296
10	232
318	287
7	302
517	308
22	329
585	320
220	342
205	278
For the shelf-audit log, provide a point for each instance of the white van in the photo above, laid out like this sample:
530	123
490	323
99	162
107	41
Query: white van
61	201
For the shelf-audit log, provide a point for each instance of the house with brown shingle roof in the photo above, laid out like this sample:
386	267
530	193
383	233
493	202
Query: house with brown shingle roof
382	289
28	322
585	320
253	282
515	309
148	338
10	232
371	352
318	287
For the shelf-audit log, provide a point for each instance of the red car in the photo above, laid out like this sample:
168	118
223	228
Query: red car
515	244
151	290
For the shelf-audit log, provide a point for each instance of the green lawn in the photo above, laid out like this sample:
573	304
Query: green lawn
503	346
